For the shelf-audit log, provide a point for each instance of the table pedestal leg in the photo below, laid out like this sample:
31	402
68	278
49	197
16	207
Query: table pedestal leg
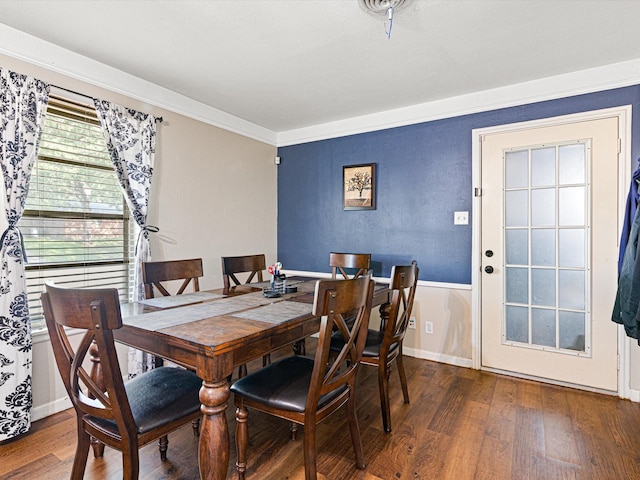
214	433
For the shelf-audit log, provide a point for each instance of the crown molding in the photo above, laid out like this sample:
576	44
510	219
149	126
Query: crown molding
575	83
28	48
36	51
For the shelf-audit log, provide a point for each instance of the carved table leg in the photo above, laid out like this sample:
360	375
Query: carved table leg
214	432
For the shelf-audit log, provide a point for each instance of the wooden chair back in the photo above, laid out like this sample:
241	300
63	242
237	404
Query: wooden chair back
335	301
253	265
97	313
404	279
156	274
341	262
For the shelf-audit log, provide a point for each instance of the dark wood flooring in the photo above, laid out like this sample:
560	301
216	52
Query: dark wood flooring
461	424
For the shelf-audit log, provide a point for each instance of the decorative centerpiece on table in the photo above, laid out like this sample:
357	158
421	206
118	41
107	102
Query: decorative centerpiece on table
278	279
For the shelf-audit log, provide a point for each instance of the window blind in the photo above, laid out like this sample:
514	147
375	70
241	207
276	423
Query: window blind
76	225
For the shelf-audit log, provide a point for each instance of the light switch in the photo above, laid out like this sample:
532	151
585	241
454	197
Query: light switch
461	218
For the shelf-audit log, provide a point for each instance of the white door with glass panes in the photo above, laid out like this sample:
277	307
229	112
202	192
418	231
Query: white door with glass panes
549	252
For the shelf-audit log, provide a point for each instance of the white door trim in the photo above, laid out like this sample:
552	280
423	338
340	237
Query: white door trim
623	113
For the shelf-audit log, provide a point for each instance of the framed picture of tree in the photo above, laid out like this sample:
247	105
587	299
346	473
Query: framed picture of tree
359	187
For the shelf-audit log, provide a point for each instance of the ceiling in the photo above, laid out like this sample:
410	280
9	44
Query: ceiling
289	64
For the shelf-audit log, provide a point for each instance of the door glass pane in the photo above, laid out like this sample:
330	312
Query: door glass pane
571	247
572	331
543	207
543	327
571	205
543	287
571	289
517	285
543	166
517	324
517	169
517	208
543	247
517	246
572	163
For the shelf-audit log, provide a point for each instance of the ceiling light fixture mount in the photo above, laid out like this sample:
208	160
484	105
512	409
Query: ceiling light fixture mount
383	8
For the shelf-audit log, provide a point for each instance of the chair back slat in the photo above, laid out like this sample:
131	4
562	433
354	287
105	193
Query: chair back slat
334	300
341	262
155	275
252	265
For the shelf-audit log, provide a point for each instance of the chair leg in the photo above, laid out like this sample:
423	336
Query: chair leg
82	453
266	360
403	378
355	431
195	424
98	448
242	370
130	463
383	387
242	439
309	447
293	427
163	445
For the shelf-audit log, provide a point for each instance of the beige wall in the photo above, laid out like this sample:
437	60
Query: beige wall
213	193
449	309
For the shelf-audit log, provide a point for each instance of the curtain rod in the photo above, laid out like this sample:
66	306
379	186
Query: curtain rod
158	119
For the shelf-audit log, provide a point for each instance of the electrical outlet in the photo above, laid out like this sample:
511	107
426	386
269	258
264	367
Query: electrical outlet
412	323
428	327
461	218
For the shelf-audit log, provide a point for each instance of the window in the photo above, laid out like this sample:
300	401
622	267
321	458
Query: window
76	224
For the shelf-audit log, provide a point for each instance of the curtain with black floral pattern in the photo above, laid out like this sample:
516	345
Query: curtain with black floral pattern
23	102
131	138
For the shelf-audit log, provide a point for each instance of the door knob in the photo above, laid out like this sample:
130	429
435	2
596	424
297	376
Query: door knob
488	269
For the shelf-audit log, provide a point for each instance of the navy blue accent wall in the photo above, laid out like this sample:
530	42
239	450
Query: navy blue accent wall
423	176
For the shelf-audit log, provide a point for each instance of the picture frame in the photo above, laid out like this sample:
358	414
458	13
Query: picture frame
359	187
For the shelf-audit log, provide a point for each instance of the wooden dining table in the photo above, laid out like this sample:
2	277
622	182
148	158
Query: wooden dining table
211	333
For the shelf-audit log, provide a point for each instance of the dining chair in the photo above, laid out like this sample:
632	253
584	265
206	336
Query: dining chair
305	390
123	415
156	276
253	266
346	263
340	263
383	347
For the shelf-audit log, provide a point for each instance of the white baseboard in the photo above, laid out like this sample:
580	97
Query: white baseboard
437	357
50	408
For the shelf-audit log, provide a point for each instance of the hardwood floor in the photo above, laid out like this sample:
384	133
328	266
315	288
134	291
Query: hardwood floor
461	424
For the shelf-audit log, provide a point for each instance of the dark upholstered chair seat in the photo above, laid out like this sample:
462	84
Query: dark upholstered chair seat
283	384
158	397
